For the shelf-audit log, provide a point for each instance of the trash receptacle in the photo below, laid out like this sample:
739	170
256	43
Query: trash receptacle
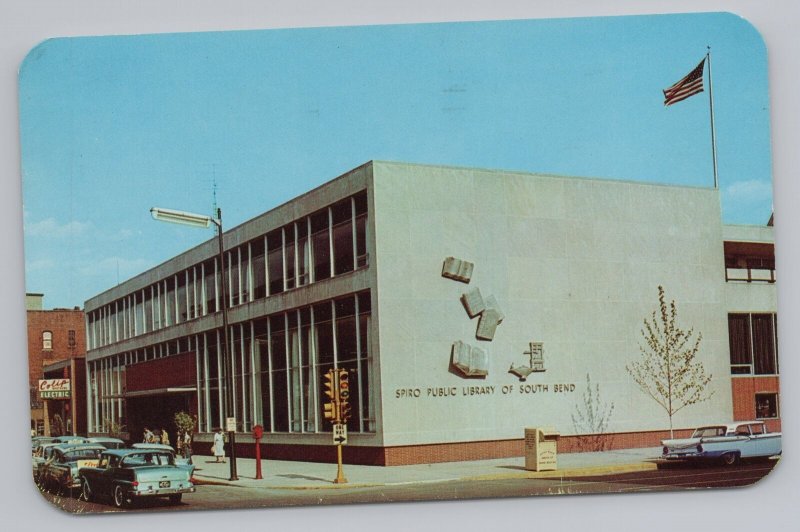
541	449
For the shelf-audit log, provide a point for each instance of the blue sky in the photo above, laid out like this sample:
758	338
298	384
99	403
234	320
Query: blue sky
111	126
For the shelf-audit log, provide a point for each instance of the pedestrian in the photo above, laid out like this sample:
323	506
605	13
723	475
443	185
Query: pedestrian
179	442
148	436
164	437
219	446
187	445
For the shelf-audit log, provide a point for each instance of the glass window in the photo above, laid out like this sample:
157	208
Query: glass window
303	253
190	295
360	202
47	340
766	405
346	340
209	270
289	256
763	344
740	344
296	347
264	392
275	261
234	288
321	247
245	274
323	335
343	259
259	265
139	310
214	387
169	301
279	382
181	297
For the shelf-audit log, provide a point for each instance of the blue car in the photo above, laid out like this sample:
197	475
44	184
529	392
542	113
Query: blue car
128	475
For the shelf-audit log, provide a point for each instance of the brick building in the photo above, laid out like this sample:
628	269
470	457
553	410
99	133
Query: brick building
53	336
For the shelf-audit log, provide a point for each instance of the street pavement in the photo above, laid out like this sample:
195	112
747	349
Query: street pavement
278	474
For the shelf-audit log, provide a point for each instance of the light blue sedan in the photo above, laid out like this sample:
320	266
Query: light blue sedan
726	443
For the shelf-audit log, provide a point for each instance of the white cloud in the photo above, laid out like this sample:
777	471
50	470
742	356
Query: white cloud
50	227
109	266
39	265
751	190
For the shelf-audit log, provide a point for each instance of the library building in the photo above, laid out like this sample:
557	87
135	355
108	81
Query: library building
466	305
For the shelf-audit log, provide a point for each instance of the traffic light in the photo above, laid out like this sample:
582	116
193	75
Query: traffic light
344	411
331	412
344	385
344	395
331	391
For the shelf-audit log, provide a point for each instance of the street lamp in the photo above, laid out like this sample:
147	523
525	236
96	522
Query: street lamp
201	220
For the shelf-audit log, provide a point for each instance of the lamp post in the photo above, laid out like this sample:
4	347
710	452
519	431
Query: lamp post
201	220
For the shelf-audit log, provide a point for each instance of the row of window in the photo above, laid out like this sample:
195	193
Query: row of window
47	340
329	242
278	362
753	343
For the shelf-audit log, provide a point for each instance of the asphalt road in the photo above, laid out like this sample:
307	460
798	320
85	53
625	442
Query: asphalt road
212	497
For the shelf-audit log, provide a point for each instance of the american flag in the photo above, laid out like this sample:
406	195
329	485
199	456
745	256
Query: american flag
689	86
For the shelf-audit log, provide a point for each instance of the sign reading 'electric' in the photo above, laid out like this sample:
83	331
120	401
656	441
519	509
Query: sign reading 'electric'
54	388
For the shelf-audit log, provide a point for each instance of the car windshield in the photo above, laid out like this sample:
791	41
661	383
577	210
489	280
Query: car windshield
145	459
81	454
707	432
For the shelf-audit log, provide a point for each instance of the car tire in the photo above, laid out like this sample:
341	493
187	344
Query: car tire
119	497
729	459
175	499
86	491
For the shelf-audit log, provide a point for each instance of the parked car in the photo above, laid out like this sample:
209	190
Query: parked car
179	460
38	440
126	475
725	443
40	455
108	443
70	439
60	470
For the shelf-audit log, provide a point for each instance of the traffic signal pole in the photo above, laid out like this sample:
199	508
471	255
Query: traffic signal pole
339	470
337	411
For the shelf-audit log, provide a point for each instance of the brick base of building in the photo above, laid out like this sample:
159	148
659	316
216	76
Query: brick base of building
446	452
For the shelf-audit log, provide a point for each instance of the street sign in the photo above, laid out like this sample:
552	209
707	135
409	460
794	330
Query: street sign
230	424
340	434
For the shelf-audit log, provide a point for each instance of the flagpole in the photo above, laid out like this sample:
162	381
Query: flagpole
711	109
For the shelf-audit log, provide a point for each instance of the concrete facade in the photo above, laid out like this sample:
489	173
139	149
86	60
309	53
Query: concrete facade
573	263
570	265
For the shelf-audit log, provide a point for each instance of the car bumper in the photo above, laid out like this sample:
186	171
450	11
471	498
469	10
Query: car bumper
159	492
693	455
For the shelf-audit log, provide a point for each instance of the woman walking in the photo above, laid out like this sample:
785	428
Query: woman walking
219	446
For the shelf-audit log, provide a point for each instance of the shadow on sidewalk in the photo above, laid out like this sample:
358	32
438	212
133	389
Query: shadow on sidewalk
305	477
514	467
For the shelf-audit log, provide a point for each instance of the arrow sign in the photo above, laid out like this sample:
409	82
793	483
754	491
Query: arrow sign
340	434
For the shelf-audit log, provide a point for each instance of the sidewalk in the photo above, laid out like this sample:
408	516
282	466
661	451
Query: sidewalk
279	474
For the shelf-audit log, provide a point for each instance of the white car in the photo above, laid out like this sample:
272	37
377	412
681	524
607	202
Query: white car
725	443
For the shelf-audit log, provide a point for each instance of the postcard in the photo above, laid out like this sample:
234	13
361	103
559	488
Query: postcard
399	263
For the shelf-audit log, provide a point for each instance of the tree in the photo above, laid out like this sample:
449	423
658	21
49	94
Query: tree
185	422
115	428
668	370
591	419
